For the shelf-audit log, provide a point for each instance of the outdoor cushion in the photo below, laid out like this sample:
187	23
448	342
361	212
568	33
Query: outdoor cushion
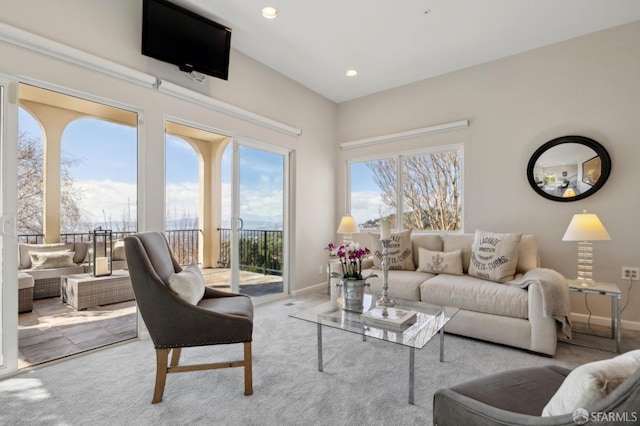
475	294
24	249
52	259
42	274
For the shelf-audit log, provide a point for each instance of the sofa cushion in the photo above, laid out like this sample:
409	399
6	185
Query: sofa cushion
453	242
591	382
402	284
431	242
494	256
118	250
43	274
527	254
80	248
24	249
188	284
400	251
439	262
475	294
25	281
51	259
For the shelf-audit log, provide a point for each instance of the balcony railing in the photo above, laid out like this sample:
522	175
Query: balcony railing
183	242
260	250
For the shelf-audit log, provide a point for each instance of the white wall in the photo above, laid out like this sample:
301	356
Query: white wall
111	29
588	86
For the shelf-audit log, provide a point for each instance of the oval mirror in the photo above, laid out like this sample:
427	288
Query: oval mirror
569	168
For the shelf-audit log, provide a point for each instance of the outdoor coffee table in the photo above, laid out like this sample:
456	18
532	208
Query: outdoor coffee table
430	321
82	291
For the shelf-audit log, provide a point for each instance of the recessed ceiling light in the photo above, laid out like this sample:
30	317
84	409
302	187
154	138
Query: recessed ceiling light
269	12
351	73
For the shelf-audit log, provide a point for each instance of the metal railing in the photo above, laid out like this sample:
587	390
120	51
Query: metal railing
183	242
260	250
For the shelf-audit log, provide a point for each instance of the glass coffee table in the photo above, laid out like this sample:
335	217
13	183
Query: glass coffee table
430	321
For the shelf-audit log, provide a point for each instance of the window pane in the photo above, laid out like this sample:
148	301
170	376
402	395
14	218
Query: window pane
374	192
432	198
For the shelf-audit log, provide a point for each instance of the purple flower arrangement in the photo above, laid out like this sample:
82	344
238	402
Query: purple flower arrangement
350	256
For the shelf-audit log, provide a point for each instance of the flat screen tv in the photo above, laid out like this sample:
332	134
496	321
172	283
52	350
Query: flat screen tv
178	36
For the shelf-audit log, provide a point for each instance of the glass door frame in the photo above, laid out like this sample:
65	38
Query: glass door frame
236	219
8	244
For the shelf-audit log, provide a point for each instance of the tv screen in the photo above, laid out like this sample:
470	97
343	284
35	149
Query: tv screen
178	36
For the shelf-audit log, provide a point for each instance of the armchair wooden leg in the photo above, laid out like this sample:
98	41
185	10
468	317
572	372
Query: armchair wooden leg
248	374
162	357
175	356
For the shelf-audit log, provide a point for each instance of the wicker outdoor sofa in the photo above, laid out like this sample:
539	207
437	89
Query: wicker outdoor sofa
52	261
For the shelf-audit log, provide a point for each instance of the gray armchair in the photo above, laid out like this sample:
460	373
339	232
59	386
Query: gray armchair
518	397
219	318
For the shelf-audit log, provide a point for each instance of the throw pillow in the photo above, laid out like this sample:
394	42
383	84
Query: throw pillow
494	256
439	262
590	382
400	255
25	249
188	284
51	259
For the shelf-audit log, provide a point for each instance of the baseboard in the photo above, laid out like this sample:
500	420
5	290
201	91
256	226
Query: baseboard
311	289
604	321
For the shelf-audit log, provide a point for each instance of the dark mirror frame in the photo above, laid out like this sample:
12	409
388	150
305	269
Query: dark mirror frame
600	151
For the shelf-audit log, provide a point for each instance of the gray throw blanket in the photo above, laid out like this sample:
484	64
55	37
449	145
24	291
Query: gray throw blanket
555	295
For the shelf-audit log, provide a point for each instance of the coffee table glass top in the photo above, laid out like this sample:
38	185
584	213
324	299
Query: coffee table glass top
430	320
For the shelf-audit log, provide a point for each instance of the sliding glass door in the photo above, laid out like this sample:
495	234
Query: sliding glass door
8	261
258	219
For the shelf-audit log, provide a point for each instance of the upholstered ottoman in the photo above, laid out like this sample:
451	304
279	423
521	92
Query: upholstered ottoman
25	292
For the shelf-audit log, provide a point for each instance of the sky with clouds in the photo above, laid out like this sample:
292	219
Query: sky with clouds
104	169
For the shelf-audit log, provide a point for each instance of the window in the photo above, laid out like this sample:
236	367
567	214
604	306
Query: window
430	195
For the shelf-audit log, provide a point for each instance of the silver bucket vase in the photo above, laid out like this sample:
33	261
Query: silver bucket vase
352	294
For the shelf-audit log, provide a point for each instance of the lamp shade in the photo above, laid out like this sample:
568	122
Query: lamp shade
586	227
347	225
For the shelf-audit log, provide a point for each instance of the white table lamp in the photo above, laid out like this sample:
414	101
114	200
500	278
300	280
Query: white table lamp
584	228
347	227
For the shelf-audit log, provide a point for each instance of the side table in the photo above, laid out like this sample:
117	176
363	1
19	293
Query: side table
605	289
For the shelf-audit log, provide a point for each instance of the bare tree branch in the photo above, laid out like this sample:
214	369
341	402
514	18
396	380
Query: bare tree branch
431	189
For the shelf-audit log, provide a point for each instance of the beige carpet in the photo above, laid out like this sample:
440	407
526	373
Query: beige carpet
363	383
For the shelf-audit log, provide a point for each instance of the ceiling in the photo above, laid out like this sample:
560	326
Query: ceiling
392	43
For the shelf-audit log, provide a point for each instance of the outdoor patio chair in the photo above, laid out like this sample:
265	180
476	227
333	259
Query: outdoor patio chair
174	323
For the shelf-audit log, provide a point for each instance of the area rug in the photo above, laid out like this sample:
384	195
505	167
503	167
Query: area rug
363	383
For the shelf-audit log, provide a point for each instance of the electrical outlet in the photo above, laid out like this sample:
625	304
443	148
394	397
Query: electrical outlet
321	269
630	272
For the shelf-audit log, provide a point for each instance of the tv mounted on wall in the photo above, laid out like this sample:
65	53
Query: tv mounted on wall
178	36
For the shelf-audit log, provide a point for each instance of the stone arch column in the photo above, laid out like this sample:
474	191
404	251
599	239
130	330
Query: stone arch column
53	121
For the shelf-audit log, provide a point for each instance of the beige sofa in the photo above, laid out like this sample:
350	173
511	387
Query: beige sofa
496	312
47	278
